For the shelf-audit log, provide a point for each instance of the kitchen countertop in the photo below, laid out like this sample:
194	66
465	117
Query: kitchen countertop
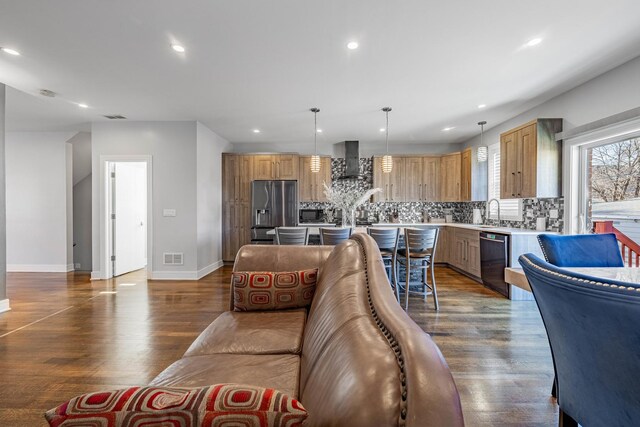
476	227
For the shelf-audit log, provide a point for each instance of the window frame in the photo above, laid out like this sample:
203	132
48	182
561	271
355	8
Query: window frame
512	213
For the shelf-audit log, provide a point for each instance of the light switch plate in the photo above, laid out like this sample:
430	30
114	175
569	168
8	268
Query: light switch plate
553	213
168	212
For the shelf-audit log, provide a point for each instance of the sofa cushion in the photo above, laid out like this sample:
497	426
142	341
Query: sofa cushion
280	372
256	332
268	290
214	405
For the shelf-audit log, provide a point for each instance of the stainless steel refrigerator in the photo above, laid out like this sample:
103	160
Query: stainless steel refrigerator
273	204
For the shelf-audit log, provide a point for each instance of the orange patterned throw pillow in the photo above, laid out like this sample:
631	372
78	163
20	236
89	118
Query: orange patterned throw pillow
266	290
212	406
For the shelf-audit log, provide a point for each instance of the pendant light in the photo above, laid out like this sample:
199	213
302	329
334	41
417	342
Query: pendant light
315	159
483	150
387	160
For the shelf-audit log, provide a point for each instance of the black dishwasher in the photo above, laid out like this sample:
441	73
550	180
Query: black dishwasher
494	257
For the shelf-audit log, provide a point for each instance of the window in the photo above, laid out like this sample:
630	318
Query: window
510	209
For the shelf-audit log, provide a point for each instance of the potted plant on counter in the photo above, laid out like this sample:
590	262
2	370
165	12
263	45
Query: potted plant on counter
348	200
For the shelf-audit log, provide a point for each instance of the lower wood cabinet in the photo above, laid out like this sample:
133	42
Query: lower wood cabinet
465	251
444	243
236	229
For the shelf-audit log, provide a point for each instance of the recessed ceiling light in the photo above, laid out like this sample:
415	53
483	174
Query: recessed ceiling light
448	129
382	129
178	48
482	105
319	130
82	105
256	131
534	42
13	51
352	45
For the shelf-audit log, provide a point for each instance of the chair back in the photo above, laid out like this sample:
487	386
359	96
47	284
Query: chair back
593	332
334	236
292	235
581	250
420	240
385	238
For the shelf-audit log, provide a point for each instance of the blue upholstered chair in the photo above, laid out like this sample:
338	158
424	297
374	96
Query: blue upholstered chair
594	337
581	250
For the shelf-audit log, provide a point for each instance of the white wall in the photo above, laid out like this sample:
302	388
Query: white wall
38	209
610	93
4	301
210	147
172	146
82	224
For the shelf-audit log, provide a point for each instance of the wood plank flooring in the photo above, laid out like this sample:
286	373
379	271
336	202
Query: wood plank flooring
64	337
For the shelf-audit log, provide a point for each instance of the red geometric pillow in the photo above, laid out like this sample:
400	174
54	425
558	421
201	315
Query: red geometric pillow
212	406
267	290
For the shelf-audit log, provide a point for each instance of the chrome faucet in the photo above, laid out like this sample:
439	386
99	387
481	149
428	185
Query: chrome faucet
489	210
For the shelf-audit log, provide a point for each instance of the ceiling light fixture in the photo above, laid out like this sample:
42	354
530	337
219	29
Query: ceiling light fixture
534	42
178	48
82	105
387	160
256	131
352	45
483	150
319	130
481	106
382	129
315	159
447	129
10	51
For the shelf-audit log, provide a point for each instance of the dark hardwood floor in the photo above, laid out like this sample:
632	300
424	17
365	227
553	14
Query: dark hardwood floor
64	337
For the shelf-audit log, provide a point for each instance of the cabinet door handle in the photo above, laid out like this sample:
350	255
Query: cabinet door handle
514	183
519	183
236	187
391	193
278	169
420	190
386	192
273	169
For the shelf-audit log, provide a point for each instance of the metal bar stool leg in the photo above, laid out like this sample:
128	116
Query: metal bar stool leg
425	282
433	285
408	283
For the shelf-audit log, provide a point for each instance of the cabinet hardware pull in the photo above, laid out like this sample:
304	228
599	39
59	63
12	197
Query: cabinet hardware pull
273	169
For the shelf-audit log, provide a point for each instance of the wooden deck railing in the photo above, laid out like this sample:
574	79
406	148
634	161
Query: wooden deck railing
629	249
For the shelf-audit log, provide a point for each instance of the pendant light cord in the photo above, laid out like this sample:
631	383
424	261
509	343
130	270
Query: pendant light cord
315	131
387	131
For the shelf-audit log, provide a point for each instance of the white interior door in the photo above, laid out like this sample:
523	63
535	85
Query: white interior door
130	208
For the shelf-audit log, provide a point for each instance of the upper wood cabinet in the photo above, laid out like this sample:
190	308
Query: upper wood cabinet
531	160
450	175
431	179
275	166
237	172
392	183
310	188
413	179
465	175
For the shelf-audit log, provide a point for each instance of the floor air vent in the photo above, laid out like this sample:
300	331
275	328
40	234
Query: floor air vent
173	258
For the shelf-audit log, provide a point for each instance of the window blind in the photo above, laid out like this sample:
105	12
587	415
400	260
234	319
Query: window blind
510	209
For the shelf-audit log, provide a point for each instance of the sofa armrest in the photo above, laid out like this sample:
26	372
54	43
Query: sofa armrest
279	258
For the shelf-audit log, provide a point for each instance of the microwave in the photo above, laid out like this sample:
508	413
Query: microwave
311	215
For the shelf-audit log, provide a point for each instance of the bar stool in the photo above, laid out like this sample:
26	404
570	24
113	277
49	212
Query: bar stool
292	235
334	236
387	241
419	252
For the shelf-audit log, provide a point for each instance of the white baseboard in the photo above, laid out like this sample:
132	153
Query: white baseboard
70	267
4	305
39	268
96	275
210	269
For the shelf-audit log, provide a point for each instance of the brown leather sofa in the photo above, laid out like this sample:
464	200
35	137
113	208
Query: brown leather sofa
356	358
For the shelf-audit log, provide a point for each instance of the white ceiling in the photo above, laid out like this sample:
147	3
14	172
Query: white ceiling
263	64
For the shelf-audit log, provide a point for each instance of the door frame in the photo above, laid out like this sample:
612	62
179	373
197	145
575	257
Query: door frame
105	197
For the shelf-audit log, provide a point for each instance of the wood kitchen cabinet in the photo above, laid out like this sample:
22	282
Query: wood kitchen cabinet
237	172
465	175
431	179
236	229
310	188
531	160
444	244
413	167
450	175
465	251
392	183
275	166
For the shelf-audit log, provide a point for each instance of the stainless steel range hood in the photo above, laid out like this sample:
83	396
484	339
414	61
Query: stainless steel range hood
350	150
